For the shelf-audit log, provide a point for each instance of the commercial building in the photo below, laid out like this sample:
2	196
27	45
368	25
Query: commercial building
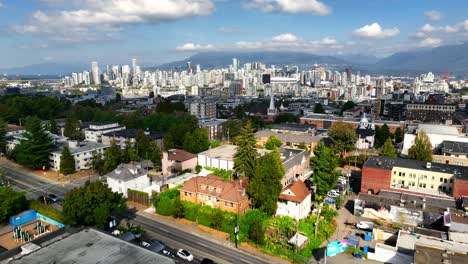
94	131
221	157
432	179
203	109
82	152
215	192
295	201
290	140
430	113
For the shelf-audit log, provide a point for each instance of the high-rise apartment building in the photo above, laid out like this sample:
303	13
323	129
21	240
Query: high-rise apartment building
203	109
95	72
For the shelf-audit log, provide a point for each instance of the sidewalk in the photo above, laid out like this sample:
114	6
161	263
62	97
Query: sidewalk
192	229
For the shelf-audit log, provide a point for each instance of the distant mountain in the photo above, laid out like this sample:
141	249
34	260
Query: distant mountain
361	59
44	69
453	59
224	59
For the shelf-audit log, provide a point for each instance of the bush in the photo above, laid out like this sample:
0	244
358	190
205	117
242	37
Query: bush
190	211
165	206
178	208
204	216
249	218
47	210
257	233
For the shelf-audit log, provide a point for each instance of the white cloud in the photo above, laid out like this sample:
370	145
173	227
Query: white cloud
2	5
315	7
287	37
430	42
433	15
91	17
328	40
194	47
375	31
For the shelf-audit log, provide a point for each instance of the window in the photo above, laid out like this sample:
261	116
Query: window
231	204
432	186
217	199
185	193
451	180
202	187
445	180
209	198
441	179
210	188
190	194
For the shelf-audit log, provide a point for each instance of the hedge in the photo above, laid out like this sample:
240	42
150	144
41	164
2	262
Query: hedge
47	210
165	206
190	211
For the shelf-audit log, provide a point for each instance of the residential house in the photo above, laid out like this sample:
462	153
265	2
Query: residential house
215	192
295	200
296	163
177	160
128	176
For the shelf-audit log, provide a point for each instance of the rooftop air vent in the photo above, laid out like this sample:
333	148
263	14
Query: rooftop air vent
428	165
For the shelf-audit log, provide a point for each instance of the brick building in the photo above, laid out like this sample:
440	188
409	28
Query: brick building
430	113
215	192
414	176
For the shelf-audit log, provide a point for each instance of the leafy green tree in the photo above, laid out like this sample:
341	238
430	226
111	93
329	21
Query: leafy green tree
388	150
67	162
215	143
11	202
319	109
98	163
265	184
348	105
52	127
178	208
344	137
422	148
3	131
324	164
141	144
154	152
217	218
129	153
273	142
399	135
112	158
381	135
257	233
91	204
33	152
196	141
286	118
246	154
232	128
72	128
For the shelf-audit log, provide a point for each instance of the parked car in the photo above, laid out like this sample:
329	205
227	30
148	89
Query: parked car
365	225
207	261
54	198
184	254
333	194
167	253
44	199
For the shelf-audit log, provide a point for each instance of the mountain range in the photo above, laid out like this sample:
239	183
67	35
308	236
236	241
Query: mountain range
452	59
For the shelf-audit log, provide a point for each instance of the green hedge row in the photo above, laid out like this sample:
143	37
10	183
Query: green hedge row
47	210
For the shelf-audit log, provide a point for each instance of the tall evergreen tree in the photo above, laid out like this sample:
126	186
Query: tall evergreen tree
398	135
3	131
53	126
67	162
422	148
344	137
388	150
246	154
98	163
112	158
129	153
72	128
265	184
141	144
33	152
381	135
324	164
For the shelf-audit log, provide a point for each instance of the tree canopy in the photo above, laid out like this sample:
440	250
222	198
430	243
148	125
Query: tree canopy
388	150
11	202
344	137
265	184
273	142
286	118
246	154
324	164
399	135
72	128
112	158
67	162
196	141
348	105
319	108
129	153
422	148
3	131
33	152
381	135
91	204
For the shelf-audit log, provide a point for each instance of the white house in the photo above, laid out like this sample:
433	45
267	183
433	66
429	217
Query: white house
95	130
366	134
128	176
295	201
83	153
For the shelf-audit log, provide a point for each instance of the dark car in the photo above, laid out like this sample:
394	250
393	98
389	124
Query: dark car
54	198
207	261
44	199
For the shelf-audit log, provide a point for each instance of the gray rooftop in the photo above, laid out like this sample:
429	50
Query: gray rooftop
454	147
88	146
301	137
92	246
126	172
226	152
387	163
291	157
294	127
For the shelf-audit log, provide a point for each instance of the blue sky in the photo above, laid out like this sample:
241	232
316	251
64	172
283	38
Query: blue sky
158	31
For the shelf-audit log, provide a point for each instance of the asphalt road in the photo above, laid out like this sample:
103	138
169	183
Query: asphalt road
196	245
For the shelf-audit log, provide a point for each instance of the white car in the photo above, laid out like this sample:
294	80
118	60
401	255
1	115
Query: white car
184	254
365	225
333	194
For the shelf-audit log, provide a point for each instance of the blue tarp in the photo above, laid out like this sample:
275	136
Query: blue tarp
23	218
336	247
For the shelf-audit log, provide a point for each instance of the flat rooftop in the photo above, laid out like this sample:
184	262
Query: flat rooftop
92	246
431	255
227	152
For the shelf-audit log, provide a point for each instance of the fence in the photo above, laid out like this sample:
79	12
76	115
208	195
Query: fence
138	197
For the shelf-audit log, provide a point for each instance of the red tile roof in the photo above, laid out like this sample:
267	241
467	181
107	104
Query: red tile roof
235	191
295	192
180	155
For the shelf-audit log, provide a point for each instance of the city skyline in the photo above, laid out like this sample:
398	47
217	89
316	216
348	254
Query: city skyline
112	31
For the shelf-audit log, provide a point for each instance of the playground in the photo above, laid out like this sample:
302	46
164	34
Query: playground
25	233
